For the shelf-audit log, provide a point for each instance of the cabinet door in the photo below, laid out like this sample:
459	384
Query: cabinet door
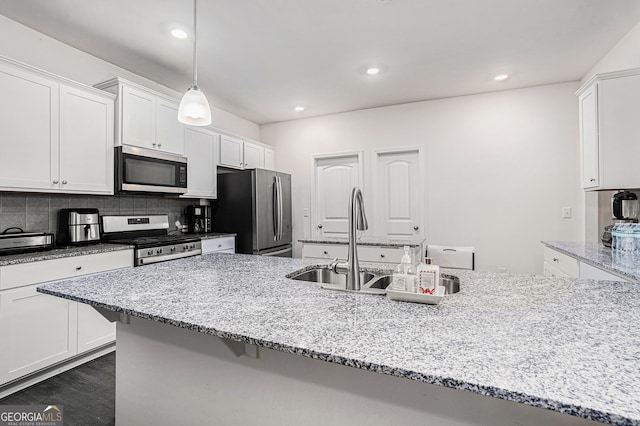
399	194
253	156
86	142
231	152
37	330
169	131
589	137
269	159
138	117
29	123
200	150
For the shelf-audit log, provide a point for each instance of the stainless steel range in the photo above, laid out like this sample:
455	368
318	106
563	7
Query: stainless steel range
150	237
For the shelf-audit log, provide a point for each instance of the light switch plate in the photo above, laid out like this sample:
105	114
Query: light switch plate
305	212
566	212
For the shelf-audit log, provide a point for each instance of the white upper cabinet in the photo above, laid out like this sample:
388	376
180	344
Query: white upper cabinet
145	118
609	129
60	133
269	159
253	156
239	154
231	152
201	147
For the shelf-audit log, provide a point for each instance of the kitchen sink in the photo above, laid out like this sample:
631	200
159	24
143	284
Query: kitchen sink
372	284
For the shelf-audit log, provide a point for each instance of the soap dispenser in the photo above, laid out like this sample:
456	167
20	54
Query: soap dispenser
428	276
404	275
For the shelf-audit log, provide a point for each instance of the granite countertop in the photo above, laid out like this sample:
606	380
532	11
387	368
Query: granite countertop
213	235
367	240
59	253
566	345
627	267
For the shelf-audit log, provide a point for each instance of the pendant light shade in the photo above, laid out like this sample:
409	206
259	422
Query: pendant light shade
194	108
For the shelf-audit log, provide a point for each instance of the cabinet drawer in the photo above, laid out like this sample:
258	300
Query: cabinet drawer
566	264
380	254
226	244
13	276
325	251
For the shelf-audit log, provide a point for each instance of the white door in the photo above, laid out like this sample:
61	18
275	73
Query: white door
589	137
138	117
253	156
86	142
29	123
36	329
399	193
169	131
200	149
334	179
231	152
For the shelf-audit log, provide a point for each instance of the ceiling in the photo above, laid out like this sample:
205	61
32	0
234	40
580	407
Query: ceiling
260	58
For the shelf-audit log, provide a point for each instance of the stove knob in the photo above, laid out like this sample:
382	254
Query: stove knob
150	252
193	246
159	251
185	247
173	249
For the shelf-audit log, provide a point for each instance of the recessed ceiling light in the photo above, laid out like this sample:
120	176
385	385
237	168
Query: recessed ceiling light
178	33
373	70
501	77
299	108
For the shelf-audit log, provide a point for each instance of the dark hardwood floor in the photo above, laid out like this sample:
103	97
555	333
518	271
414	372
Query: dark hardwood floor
87	393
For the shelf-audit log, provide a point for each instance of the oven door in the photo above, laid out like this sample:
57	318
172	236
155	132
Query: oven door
145	170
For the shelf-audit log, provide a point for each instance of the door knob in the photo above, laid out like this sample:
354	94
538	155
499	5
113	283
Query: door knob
320	226
64	182
55	181
415	228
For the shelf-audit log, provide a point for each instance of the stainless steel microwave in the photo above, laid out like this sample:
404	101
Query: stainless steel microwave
146	170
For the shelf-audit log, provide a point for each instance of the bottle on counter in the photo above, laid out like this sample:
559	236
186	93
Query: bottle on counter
404	276
428	276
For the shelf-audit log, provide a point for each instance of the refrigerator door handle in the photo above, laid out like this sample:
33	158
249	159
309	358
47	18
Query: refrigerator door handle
275	208
280	210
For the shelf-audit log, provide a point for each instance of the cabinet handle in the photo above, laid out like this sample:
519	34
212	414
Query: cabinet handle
592	180
320	226
325	252
64	182
415	228
555	259
55	181
382	256
78	268
159	145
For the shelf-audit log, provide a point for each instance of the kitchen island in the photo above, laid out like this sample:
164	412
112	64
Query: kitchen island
228	339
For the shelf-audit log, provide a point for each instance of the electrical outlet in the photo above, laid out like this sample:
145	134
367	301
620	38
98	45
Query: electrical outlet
566	212
502	270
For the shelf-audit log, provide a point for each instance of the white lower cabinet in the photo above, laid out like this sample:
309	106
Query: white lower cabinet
39	330
219	245
366	253
558	264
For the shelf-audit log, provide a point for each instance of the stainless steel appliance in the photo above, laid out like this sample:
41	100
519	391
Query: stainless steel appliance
198	219
14	240
146	170
78	226
624	209
256	205
149	235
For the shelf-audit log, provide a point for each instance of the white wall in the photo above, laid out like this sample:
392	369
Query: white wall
500	166
36	49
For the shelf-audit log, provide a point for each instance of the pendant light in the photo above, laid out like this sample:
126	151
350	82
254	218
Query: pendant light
194	108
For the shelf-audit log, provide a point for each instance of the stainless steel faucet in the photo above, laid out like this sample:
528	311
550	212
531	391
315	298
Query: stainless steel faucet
357	222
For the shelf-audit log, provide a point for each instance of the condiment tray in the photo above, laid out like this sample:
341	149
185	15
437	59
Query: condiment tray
407	296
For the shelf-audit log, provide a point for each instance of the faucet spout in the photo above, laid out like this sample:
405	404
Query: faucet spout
357	222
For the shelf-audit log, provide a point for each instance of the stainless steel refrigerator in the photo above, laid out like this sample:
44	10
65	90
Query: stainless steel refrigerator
256	204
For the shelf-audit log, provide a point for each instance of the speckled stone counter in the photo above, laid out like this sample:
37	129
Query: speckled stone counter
213	235
571	346
627	267
13	259
367	240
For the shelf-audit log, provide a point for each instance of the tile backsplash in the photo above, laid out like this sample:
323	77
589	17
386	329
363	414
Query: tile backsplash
39	212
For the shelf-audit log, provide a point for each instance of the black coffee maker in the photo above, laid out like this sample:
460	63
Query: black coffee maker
198	219
624	209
